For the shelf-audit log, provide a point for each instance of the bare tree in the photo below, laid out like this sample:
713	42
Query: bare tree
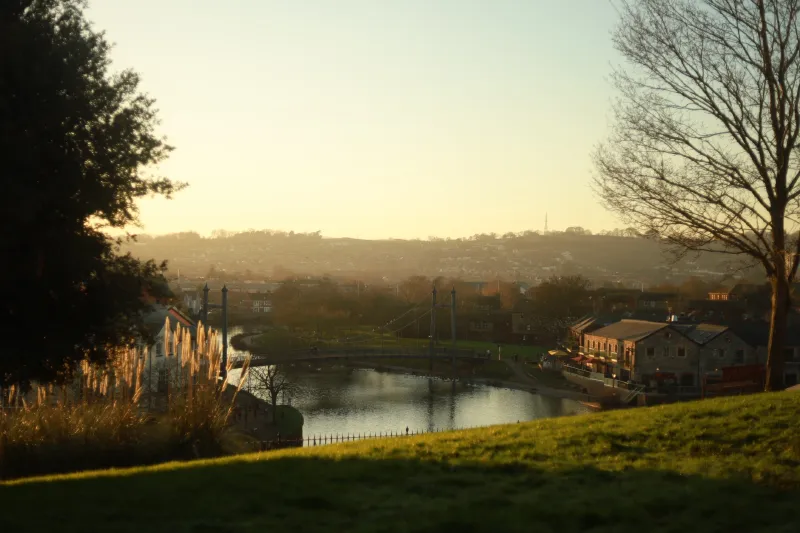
703	150
270	381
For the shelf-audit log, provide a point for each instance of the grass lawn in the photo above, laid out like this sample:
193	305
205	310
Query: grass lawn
723	465
525	351
284	340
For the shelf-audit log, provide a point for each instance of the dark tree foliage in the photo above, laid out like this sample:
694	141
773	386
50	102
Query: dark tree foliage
75	141
562	296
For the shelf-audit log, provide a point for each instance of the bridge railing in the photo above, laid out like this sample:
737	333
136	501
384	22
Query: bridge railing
440	352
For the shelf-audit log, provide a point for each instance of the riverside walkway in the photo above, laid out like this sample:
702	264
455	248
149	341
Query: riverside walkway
329	354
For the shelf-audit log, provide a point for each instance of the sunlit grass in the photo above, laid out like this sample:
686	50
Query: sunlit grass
729	464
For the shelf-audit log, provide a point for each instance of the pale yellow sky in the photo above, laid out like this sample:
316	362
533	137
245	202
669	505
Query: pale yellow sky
373	118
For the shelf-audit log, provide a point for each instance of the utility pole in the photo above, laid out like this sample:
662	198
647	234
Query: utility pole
433	325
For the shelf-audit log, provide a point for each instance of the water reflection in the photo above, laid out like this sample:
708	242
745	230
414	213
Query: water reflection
337	399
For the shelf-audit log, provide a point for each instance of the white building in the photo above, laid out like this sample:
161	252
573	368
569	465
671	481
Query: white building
163	322
261	306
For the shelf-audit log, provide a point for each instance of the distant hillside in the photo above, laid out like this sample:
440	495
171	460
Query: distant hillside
526	257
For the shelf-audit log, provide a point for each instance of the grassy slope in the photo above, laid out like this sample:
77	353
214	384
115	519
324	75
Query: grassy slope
730	464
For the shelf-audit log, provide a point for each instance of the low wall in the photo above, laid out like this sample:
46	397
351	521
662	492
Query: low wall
598	389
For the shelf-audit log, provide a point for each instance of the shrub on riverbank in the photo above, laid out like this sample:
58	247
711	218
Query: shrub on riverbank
97	418
700	466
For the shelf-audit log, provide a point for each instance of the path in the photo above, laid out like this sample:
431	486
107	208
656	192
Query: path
537	387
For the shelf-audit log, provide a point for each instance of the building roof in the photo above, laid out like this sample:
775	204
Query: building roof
155	319
589	323
630	330
701	333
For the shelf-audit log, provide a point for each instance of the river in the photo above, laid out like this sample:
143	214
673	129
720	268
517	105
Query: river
336	399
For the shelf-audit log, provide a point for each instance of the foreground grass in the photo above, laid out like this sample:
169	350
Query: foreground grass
730	464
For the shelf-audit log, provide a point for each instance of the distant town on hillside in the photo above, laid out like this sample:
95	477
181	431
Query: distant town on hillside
619	257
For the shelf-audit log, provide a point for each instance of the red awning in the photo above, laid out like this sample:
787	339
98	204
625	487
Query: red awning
578	359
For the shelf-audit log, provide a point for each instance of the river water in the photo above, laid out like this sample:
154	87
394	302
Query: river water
336	399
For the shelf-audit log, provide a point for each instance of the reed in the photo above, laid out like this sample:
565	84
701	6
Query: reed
110	415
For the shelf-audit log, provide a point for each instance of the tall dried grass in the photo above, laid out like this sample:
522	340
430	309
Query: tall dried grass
112	415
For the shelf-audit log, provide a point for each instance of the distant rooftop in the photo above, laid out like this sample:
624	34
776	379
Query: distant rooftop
701	333
630	330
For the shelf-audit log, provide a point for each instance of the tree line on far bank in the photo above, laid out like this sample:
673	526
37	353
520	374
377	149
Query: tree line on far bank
329	308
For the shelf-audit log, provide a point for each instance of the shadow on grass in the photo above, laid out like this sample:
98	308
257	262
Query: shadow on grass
323	494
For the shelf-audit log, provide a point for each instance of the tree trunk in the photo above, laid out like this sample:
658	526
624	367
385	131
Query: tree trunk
274	397
777	332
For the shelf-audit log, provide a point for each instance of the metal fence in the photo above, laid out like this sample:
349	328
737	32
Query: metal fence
323	440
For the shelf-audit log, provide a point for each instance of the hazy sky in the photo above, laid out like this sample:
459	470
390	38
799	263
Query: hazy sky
373	118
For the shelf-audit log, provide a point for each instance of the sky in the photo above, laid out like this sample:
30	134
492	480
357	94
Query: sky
372	118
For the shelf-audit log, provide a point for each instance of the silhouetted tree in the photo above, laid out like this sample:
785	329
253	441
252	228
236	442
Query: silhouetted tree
74	140
271	382
703	153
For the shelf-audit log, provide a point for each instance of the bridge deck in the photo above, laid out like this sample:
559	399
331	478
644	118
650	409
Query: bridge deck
328	355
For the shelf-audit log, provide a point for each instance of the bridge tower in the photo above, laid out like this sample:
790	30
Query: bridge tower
223	371
432	344
453	330
433	329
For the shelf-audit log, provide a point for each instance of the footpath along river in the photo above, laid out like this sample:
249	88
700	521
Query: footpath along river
335	399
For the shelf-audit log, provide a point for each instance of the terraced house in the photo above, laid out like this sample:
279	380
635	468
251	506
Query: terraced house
654	353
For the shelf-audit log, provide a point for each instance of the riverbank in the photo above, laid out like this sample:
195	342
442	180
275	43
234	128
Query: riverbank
253	416
700	466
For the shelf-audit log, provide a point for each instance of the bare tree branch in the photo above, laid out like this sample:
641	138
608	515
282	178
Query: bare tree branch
703	150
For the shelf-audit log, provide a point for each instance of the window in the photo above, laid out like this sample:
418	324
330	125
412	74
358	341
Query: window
682	352
159	349
720	353
651	352
739	357
665	351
